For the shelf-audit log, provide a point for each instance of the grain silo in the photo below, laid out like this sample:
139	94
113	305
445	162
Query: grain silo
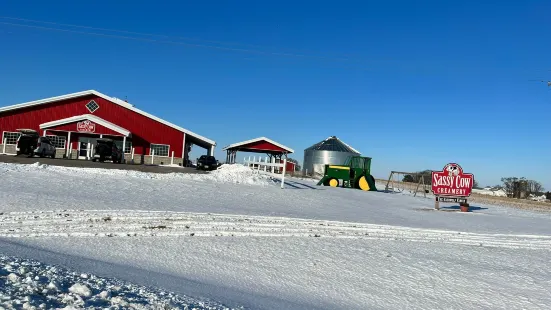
329	151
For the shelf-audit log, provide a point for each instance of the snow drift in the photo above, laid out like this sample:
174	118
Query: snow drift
33	285
224	174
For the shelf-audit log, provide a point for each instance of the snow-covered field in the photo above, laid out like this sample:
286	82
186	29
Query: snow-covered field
234	238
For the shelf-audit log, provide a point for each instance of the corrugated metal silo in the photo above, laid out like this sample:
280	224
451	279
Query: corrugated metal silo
329	151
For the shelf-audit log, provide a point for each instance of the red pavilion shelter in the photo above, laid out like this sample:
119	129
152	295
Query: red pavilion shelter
263	145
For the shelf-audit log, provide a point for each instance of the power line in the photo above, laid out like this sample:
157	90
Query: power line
128	32
348	63
162	41
131	35
147	40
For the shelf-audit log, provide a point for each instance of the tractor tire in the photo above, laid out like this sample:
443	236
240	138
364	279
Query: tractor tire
363	184
332	182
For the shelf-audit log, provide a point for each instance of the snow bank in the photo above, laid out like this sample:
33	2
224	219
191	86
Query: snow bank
497	193
33	285
239	174
224	174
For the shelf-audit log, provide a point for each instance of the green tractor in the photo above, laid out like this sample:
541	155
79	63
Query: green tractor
355	173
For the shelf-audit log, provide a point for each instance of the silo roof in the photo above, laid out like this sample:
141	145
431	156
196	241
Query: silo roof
332	144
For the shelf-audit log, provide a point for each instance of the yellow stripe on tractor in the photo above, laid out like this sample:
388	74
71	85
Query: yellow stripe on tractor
340	167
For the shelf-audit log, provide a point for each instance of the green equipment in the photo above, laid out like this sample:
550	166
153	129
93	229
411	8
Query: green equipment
355	173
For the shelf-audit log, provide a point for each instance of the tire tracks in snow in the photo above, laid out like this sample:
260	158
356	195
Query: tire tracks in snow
131	223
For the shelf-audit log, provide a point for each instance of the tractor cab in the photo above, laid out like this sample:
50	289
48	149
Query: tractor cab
354	173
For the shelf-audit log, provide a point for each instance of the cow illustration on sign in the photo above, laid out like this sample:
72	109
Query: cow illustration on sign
86	126
452	169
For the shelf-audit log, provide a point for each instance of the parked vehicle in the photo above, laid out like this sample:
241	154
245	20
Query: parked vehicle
31	143
206	162
106	149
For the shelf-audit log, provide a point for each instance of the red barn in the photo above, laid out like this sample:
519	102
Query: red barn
74	121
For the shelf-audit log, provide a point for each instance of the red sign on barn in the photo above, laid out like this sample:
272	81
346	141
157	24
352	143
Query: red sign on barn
86	126
452	181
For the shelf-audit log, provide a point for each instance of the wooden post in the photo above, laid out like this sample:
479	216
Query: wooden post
437	204
4	146
388	182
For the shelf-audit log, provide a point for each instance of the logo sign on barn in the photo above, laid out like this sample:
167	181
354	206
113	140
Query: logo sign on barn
86	126
452	182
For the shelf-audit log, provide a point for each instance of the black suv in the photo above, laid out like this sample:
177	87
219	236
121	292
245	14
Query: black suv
106	149
206	162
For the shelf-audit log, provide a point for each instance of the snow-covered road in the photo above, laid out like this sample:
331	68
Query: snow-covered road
311	273
236	238
75	223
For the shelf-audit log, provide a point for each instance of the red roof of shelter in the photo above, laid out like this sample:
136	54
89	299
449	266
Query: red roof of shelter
259	145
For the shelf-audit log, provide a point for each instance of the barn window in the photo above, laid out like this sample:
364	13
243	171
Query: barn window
160	149
127	146
11	137
58	141
92	106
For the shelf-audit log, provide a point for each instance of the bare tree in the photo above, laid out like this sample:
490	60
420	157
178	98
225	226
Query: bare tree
516	187
534	187
508	184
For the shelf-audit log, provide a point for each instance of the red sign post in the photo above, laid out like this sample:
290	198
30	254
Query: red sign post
86	126
452	184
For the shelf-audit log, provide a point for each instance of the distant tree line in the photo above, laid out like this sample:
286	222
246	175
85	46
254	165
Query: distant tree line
522	187
415	177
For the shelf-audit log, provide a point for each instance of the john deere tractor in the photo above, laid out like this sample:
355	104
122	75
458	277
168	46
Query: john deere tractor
355	173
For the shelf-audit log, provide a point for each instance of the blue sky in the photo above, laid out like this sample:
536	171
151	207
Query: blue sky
413	84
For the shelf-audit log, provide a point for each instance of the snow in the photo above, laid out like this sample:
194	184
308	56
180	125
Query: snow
497	193
40	286
172	166
81	290
224	174
235	237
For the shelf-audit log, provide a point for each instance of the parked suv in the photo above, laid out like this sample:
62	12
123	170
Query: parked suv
206	162
31	143
106	149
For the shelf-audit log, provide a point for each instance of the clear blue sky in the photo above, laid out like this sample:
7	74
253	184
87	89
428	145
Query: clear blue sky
413	84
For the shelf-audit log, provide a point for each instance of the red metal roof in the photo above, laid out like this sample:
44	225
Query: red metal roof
92	93
259	145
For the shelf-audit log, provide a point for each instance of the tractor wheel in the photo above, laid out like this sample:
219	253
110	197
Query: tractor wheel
333	183
363	184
